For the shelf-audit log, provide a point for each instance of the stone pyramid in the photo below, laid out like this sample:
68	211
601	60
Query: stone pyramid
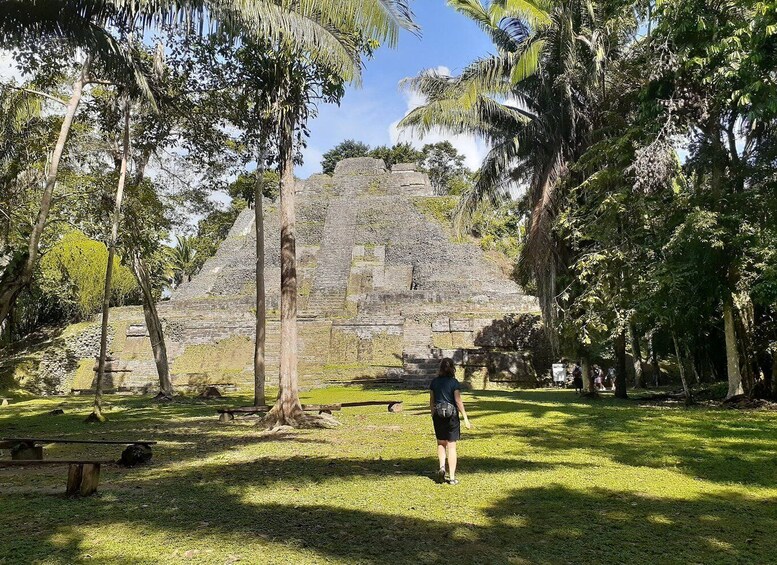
385	291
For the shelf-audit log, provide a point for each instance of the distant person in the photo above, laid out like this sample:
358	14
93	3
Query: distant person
598	378
611	377
445	404
577	379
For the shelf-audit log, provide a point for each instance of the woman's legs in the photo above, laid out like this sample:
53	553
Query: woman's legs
441	445
452	459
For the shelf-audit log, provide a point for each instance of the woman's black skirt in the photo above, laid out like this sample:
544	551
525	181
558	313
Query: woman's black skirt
448	429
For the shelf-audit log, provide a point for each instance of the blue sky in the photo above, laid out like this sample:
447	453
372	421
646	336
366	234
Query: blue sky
368	113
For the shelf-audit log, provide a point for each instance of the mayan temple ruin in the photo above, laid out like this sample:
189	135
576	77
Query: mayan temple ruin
385	290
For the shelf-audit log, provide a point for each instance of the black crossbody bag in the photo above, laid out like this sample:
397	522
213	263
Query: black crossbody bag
444	409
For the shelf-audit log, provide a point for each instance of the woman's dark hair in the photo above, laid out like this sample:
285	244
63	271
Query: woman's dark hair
447	368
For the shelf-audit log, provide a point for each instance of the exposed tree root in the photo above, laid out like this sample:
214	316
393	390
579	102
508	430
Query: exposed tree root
162	397
95	418
278	420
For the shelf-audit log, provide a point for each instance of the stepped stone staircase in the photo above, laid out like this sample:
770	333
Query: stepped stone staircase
329	294
384	293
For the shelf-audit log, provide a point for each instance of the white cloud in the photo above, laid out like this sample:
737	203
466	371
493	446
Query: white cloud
473	148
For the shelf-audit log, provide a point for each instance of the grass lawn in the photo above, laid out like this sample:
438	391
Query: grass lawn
545	478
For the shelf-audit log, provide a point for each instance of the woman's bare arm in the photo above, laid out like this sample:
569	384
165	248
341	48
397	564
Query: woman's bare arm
460	406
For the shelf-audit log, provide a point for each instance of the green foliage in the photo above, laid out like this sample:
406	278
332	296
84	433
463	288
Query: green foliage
399	153
343	150
440	209
499	228
445	166
183	259
73	273
244	187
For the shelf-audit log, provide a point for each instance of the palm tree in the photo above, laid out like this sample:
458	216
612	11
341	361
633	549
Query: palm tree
182	259
535	101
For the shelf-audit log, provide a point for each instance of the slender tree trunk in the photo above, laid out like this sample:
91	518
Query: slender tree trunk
774	373
636	354
692	360
732	352
620	368
11	284
744	318
588	380
686	390
654	360
287	409
154	325
97	415
261	301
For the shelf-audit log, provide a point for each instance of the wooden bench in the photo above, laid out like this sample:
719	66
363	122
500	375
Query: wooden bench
31	449
393	405
83	476
228	414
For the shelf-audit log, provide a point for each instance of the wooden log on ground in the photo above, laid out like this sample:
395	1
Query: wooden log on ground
228	414
135	454
321	407
393	405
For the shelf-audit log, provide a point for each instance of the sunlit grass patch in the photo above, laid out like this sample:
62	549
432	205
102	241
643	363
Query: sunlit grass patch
545	478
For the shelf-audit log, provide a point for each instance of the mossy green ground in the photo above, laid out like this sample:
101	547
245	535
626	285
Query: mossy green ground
545	478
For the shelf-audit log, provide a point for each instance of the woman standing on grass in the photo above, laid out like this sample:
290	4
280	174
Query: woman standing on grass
445	404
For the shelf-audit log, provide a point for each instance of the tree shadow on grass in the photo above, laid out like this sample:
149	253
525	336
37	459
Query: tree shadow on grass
717	445
550	524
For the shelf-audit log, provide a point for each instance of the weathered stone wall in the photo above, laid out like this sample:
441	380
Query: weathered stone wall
384	292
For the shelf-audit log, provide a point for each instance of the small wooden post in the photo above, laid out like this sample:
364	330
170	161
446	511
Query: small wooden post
74	474
90	478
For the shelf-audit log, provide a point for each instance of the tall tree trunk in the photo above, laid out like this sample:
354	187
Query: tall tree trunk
732	351
774	373
261	301
620	368
287	409
154	326
11	284
636	355
654	360
97	414
686	390
692	360
588	380
744	318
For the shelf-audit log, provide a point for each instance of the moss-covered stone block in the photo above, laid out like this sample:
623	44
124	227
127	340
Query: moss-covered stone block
84	375
442	340
387	350
344	347
221	362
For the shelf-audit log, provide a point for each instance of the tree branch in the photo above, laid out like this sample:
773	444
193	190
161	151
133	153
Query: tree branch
38	93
